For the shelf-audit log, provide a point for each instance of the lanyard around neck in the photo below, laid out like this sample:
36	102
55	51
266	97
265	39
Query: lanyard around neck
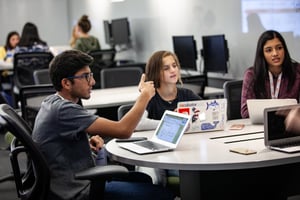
274	92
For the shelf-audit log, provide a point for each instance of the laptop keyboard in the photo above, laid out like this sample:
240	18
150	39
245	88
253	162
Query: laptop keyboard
150	145
290	144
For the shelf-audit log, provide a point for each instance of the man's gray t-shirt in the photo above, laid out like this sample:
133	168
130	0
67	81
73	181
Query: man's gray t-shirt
59	131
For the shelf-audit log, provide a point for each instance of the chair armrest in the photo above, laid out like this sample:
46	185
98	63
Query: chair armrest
102	172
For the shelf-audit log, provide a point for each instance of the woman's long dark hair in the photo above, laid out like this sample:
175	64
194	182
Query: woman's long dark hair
30	35
7	44
261	65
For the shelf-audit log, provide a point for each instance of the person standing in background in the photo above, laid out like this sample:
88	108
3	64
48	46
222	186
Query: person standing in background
30	40
7	51
84	41
274	75
73	38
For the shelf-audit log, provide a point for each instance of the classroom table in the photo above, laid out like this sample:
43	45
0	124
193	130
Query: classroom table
6	65
112	97
209	170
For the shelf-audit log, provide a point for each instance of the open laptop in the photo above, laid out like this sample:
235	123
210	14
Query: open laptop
256	107
276	136
207	115
166	136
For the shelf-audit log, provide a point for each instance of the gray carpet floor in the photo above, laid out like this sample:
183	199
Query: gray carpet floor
7	188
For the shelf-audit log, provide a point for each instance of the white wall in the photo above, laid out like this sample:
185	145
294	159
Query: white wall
152	23
51	17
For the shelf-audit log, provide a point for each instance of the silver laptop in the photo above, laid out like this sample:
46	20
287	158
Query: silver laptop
256	107
166	136
276	136
207	115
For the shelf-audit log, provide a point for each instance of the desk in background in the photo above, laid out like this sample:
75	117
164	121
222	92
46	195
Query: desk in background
55	50
107	100
209	92
6	80
208	170
110	97
6	65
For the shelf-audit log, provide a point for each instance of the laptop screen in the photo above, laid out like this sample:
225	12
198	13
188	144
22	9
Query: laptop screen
171	127
256	107
276	126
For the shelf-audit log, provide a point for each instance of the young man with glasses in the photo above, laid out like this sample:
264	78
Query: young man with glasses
62	128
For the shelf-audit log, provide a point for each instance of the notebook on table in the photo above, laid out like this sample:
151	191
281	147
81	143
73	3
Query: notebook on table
276	136
207	115
256	107
166	136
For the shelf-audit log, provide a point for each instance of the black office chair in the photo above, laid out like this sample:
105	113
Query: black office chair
41	76
35	182
233	93
104	58
31	97
24	66
123	109
120	76
200	81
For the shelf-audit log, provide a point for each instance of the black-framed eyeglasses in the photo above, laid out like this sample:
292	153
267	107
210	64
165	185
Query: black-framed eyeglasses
87	76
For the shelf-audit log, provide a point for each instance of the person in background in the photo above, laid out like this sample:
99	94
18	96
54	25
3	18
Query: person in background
84	41
163	68
30	40
6	54
73	38
273	75
63	127
7	51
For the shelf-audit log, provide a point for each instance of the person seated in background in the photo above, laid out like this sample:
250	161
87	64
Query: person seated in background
62	129
274	74
6	54
7	51
30	40
163	68
84	41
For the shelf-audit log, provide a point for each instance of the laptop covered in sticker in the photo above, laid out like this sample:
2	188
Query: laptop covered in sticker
206	115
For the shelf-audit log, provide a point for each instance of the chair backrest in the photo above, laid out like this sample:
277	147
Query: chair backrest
103	55
120	76
26	63
31	97
41	76
123	109
233	93
103	58
33	183
3	99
